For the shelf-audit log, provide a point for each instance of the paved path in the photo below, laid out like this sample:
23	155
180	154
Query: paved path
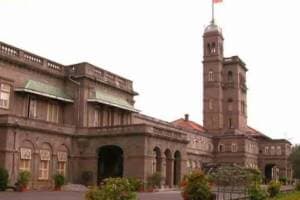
79	196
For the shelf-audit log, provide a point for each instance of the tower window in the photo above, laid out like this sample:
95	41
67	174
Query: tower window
210	75
230	106
208	48
213	48
230	124
230	76
243	107
233	147
221	148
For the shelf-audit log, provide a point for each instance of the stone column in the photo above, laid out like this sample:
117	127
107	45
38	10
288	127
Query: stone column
163	170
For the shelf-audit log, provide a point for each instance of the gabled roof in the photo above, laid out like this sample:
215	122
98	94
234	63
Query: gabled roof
255	133
190	125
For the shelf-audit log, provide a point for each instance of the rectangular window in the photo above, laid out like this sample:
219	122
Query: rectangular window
61	168
44	170
25	159
96	118
53	113
4	95
32	108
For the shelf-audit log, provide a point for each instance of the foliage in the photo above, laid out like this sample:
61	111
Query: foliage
283	180
24	178
59	180
288	196
297	186
112	189
195	186
274	188
255	192
136	183
87	177
295	160
154	180
3	179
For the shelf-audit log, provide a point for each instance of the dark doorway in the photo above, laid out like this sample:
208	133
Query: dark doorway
110	162
269	172
177	168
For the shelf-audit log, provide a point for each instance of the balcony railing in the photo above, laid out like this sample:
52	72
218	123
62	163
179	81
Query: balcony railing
32	59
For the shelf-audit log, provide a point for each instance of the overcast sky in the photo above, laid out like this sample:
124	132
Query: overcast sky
158	45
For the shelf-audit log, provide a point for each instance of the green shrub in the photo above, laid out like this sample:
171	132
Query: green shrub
155	179
112	189
136	183
24	178
255	192
59	180
283	180
274	188
195	186
297	186
3	179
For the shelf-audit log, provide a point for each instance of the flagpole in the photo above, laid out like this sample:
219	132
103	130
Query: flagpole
213	12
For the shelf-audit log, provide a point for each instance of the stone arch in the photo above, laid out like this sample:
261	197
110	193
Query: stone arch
26	156
110	162
45	171
157	164
169	163
177	168
62	165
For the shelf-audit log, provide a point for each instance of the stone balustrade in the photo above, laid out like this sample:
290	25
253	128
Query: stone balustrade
21	55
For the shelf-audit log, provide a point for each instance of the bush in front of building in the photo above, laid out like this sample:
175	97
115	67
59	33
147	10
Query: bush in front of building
255	192
274	188
154	180
3	179
136	184
283	180
195	186
59	180
297	187
23	180
112	189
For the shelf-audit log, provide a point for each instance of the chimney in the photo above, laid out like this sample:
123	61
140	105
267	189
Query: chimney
186	117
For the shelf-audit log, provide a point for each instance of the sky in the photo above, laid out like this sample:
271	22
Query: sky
158	45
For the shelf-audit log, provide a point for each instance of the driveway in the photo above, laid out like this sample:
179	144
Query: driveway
80	196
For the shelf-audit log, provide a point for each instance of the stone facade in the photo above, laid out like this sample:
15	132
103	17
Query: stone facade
80	119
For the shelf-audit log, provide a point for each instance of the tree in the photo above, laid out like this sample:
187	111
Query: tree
295	160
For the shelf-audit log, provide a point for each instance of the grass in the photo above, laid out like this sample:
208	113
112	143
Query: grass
288	196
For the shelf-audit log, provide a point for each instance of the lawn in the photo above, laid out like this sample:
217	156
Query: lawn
288	196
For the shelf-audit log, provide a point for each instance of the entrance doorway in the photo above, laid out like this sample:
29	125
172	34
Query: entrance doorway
177	168
110	162
270	172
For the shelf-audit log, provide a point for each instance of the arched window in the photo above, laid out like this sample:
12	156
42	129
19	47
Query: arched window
221	148
230	123
233	147
243	107
210	75
230	104
213	48
266	150
208	48
230	76
278	151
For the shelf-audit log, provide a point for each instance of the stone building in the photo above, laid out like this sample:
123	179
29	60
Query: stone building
80	119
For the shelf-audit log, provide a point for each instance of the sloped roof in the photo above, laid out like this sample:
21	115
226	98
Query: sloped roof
255	133
190	125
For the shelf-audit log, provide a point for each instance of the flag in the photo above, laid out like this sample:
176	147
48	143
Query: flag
217	1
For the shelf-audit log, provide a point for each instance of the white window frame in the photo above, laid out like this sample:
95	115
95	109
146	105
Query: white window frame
5	91
211	75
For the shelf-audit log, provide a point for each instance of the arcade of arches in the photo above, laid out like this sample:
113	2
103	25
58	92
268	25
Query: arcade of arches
169	165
